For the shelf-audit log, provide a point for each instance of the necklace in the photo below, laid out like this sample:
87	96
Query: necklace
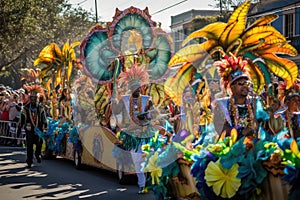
33	116
135	106
247	120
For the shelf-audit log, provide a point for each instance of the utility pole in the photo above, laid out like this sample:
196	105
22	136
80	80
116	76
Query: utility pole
221	17
96	11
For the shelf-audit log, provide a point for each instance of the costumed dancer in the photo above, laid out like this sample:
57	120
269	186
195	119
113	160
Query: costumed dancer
65	104
276	122
231	168
248	117
135	128
33	120
291	116
291	99
238	109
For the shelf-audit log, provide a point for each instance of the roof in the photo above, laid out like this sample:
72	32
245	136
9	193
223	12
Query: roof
188	15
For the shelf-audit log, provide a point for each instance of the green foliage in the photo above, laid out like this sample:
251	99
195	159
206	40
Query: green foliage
26	27
205	19
228	5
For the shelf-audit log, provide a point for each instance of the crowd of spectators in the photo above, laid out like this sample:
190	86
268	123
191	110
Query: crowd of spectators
11	104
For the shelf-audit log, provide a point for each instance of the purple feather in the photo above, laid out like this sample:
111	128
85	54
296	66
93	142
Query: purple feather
181	136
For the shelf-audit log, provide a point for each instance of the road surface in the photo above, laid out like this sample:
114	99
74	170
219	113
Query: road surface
58	179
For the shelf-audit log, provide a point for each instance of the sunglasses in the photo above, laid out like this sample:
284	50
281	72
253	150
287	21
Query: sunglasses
243	83
295	99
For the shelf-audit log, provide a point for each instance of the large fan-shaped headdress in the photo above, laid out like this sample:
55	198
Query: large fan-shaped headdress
134	76
285	94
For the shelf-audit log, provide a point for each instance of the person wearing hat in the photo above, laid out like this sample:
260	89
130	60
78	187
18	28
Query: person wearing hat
291	117
33	117
2	88
238	109
135	127
291	114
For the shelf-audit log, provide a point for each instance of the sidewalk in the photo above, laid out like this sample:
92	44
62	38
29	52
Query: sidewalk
2	146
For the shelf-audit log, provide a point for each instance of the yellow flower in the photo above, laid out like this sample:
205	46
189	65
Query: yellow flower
223	181
206	117
155	170
215	148
146	147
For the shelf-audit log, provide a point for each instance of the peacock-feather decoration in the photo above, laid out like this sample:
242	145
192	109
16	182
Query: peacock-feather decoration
130	44
131	35
259	44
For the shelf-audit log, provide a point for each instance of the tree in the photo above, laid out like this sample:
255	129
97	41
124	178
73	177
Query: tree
227	6
26	27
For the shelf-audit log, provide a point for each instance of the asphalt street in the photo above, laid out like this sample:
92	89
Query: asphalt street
58	179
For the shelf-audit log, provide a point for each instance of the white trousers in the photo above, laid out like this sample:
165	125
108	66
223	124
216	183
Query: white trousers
138	159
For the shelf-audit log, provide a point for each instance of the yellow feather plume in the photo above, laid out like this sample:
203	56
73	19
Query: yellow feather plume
175	85
257	77
255	39
284	49
236	25
192	53
264	20
47	55
282	67
211	32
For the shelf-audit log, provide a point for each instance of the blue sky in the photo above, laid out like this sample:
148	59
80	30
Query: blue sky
106	8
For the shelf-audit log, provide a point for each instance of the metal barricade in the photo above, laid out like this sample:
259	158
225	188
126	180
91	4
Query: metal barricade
10	130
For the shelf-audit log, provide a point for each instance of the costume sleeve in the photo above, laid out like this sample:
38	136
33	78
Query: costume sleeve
261	114
117	107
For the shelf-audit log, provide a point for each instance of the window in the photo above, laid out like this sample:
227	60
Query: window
177	46
289	25
176	35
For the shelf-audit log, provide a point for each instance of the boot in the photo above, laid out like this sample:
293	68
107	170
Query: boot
141	190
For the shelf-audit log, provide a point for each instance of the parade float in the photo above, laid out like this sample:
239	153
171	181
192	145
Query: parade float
230	164
86	133
189	155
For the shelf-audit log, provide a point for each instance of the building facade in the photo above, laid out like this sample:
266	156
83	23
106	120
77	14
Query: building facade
288	22
185	23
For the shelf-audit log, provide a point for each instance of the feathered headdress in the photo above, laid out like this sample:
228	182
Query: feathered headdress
136	75
35	89
285	94
259	43
231	68
30	75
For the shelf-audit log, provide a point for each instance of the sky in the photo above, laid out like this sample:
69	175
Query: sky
106	8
